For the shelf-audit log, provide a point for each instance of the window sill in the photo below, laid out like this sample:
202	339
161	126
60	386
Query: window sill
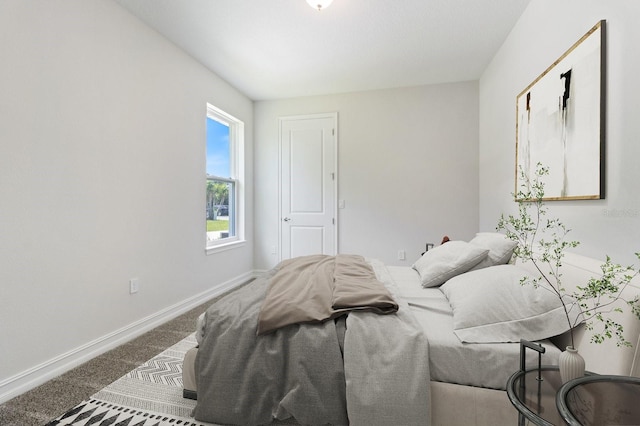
224	247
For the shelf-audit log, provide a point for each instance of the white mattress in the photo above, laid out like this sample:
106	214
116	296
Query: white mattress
476	364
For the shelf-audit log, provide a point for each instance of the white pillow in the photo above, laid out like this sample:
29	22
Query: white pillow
500	248
491	305
439	264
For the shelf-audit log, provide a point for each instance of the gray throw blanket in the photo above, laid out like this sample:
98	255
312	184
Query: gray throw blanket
299	370
244	379
317	288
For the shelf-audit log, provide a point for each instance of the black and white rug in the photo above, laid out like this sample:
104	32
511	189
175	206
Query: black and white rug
150	395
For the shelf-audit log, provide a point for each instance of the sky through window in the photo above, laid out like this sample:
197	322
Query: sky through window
218	159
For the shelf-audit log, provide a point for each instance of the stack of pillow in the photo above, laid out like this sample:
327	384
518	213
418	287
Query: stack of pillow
489	302
452	258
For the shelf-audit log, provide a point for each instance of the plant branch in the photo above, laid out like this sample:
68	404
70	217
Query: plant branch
595	300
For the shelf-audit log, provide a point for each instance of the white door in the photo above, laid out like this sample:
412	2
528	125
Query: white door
308	182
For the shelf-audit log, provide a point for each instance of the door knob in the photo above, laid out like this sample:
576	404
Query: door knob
287	219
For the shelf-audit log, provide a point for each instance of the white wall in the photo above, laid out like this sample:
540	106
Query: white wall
544	32
407	168
102	167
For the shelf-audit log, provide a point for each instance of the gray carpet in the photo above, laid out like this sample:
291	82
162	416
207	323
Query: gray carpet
50	400
149	395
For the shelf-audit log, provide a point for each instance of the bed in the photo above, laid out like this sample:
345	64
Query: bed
455	375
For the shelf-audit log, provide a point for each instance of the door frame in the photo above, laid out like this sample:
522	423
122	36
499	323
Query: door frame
281	120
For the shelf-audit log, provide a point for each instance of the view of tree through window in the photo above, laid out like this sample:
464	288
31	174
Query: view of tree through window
220	182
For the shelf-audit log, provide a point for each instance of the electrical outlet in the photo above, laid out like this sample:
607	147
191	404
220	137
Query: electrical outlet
134	285
274	250
401	255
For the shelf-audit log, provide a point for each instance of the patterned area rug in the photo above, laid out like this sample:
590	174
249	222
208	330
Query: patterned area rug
150	395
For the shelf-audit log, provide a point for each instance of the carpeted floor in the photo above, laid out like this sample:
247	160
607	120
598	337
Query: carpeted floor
50	400
149	395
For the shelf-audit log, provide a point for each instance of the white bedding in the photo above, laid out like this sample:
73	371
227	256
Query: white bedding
379	376
486	365
468	402
476	364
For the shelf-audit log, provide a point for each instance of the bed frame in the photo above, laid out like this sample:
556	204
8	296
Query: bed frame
453	404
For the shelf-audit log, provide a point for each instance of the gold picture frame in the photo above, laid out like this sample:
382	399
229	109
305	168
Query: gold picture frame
560	122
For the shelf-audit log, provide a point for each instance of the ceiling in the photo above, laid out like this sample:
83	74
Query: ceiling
271	49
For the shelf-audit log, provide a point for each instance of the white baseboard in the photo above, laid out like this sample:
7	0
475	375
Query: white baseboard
39	374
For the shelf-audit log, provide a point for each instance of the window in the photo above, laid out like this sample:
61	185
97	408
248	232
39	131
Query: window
224	195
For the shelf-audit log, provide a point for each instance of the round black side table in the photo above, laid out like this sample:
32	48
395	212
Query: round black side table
533	393
600	400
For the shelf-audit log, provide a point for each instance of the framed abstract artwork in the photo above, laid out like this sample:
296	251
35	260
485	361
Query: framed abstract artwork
560	122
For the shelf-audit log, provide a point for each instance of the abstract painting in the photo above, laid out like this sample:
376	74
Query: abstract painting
560	122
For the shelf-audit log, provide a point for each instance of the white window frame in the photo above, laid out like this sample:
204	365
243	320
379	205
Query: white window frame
236	169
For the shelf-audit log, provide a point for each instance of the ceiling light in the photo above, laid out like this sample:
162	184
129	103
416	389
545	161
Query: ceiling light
319	4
